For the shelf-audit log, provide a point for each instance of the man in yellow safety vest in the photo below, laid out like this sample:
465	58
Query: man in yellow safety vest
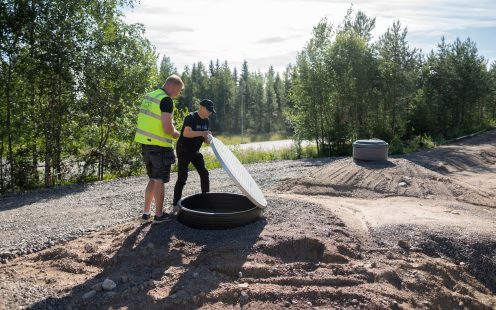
155	132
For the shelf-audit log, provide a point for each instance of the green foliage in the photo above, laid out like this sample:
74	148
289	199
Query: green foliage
399	67
73	75
238	139
311	89
347	88
178	117
166	69
396	146
455	89
418	143
334	85
255	156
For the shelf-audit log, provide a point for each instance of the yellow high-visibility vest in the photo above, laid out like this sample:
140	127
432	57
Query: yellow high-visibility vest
149	130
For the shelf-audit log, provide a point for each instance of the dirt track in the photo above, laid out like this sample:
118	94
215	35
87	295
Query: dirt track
416	233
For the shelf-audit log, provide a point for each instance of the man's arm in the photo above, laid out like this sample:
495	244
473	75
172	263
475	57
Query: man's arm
168	126
190	133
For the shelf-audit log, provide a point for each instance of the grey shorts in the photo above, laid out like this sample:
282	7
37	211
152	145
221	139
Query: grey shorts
158	161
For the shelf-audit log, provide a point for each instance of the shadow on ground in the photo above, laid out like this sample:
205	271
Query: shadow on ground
152	271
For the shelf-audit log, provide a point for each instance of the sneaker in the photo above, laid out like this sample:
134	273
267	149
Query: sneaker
145	217
162	218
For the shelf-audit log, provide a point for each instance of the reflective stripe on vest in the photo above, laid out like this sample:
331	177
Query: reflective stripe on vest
154	100
144	133
149	130
150	113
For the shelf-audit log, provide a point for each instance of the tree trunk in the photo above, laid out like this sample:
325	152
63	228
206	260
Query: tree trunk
8	126
393	125
58	130
1	156
32	82
493	116
49	143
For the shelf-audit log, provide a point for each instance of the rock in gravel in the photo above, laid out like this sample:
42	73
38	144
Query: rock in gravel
108	285
5	254
404	244
89	294
110	294
244	297
97	287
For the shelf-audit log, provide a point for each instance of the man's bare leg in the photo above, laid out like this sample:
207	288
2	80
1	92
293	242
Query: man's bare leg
149	194
158	194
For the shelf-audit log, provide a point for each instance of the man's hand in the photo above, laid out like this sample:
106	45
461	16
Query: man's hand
206	134
176	134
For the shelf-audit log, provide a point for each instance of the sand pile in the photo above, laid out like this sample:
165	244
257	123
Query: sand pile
427	175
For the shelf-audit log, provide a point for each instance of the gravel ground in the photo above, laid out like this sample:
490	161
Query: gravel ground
477	252
33	221
301	255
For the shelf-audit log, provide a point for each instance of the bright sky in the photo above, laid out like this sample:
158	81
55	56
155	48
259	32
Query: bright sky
272	32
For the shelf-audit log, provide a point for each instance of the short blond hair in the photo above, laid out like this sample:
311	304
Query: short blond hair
174	79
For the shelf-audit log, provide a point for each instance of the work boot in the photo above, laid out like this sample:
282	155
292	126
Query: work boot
162	218
145	218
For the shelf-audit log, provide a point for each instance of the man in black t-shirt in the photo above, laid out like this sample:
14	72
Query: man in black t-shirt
194	132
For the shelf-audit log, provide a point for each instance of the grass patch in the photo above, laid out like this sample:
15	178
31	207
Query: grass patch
258	156
238	139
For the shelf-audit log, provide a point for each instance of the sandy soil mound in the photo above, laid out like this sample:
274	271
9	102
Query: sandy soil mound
299	256
430	174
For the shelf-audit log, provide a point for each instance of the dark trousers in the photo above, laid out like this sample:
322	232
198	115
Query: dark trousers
183	160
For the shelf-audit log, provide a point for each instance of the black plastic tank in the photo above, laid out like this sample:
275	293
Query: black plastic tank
217	211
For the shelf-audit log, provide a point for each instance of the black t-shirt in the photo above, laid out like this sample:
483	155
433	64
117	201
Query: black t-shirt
166	105
196	123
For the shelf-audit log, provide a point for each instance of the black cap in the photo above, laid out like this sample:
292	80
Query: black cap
207	103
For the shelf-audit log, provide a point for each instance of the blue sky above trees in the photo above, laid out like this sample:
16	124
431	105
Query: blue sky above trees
272	32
